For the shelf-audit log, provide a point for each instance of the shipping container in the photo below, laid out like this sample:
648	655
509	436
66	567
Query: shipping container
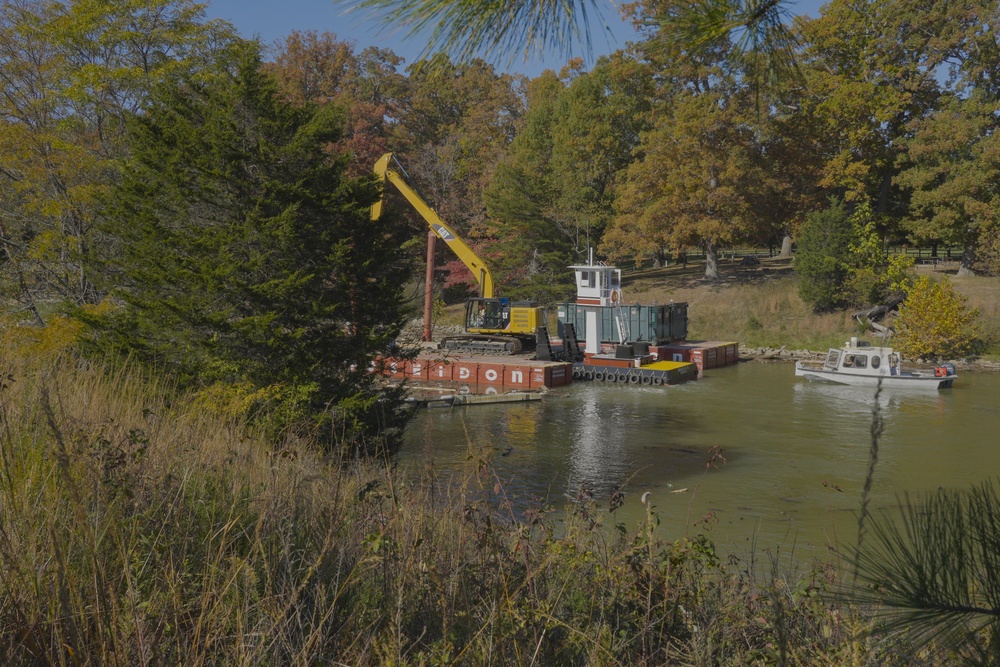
650	324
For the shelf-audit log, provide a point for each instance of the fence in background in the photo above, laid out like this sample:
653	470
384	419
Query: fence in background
940	255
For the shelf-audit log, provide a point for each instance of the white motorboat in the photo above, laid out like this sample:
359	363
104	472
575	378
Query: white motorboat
859	363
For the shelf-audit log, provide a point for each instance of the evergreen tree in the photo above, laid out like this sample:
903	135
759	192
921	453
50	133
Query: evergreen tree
824	246
245	260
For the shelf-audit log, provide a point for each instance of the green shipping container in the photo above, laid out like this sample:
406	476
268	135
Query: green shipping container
652	324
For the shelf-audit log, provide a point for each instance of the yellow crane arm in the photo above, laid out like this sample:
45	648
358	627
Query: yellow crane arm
385	171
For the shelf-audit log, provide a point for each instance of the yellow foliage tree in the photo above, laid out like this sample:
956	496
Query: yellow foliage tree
935	322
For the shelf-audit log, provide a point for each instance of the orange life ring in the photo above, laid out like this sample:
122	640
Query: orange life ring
614	296
940	372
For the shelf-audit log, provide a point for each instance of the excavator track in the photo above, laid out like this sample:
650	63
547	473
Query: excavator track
494	345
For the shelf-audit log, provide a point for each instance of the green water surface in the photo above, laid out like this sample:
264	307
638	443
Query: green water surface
794	454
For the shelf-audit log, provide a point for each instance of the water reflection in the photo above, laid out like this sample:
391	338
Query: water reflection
861	400
597	454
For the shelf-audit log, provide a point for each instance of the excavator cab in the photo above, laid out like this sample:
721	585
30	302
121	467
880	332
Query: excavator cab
487	315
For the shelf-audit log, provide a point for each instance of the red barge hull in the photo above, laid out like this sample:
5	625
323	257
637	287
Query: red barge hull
502	374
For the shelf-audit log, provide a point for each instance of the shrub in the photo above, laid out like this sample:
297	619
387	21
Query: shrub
842	260
935	322
821	262
873	275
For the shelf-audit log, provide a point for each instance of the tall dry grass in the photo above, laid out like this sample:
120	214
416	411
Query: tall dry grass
136	529
983	293
763	314
765	310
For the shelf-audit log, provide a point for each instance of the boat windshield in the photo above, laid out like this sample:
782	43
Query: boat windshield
832	357
856	361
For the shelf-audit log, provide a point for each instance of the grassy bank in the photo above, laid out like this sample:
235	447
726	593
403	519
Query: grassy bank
762	308
137	529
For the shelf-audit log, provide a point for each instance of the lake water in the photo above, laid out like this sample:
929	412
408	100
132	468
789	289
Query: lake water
795	452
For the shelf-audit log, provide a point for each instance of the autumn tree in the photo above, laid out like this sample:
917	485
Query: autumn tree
935	322
320	69
245	260
950	163
701	176
456	122
552	198
988	250
73	73
693	186
869	71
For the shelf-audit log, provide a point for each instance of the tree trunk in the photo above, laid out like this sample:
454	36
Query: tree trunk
711	261
786	246
965	269
26	295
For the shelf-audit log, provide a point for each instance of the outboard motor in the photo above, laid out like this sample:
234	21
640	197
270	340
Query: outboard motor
944	371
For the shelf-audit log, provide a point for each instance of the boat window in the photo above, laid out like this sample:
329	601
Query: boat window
832	357
861	361
876	360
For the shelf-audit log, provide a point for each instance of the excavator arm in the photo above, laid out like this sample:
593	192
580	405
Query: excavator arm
389	169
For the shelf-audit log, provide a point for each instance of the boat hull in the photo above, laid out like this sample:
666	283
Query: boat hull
902	380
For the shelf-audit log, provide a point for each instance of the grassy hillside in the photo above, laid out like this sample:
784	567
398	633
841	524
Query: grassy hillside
761	307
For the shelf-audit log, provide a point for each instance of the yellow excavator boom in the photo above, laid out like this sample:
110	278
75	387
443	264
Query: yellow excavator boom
389	169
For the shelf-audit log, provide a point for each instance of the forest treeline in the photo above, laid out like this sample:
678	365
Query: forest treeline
656	148
201	200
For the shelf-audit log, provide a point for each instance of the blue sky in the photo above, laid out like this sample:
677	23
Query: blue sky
272	20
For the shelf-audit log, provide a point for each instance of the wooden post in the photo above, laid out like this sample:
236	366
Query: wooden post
429	287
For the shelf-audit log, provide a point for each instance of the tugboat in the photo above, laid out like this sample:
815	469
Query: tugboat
858	363
617	337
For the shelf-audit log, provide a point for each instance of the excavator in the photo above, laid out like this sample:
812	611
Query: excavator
493	325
